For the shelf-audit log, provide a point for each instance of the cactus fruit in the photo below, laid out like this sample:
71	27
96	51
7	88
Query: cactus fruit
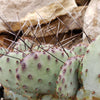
21	46
39	71
91	68
79	49
67	83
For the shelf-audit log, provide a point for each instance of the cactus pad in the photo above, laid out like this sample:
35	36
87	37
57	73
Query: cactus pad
67	83
79	49
39	71
91	68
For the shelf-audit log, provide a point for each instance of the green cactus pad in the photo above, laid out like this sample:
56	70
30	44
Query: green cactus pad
21	46
91	68
79	49
39	71
67	83
8	68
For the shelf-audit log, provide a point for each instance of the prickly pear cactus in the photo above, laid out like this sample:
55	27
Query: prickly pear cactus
8	67
67	83
39	71
91	68
21	46
79	49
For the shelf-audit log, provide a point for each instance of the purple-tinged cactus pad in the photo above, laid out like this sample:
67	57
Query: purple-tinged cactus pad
39	71
8	68
67	83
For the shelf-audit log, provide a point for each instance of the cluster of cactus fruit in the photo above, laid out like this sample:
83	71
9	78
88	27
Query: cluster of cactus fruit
47	72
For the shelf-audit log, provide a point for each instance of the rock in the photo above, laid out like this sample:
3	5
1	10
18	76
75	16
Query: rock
11	9
53	16
68	28
45	14
15	12
92	20
24	10
72	20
